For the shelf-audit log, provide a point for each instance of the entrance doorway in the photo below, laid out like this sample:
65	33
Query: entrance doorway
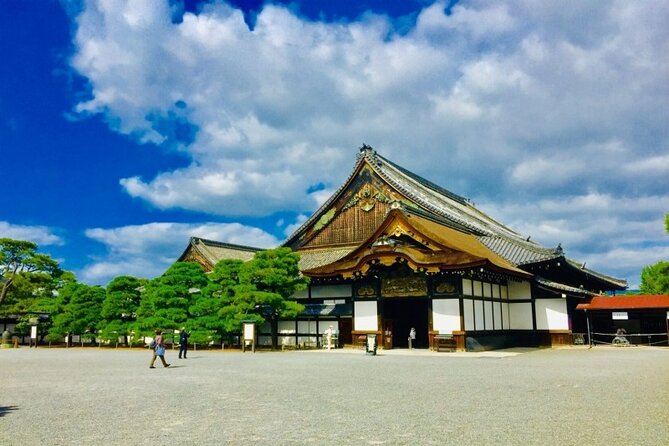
405	313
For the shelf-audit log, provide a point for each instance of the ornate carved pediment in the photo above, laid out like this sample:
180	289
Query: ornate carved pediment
407	286
367	197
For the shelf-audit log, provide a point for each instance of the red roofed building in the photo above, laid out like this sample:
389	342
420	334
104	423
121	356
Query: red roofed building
645	318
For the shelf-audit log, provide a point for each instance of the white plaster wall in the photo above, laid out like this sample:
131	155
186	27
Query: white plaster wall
487	289
520	290
446	315
286	327
505	318
478	315
552	314
468	305
498	315
478	288
488	315
324	324
521	316
366	317
306	327
321	291
467	287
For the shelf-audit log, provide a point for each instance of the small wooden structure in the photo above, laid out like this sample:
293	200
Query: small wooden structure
644	318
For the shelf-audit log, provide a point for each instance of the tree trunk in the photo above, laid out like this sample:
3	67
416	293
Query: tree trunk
5	289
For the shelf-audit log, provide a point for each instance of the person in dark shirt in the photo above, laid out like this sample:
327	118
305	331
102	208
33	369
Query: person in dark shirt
183	343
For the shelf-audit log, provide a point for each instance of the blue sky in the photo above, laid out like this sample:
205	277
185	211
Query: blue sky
128	126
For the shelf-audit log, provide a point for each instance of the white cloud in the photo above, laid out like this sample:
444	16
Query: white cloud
527	104
148	250
42	235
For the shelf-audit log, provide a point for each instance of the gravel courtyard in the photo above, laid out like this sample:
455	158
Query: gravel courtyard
572	396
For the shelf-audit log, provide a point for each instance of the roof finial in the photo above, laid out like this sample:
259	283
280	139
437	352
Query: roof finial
365	149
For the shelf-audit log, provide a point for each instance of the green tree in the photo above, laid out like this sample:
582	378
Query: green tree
119	310
46	302
18	257
655	278
207	323
80	306
167	299
268	282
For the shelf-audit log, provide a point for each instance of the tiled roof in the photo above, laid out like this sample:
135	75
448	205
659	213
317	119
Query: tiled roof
437	199
562	287
518	251
214	251
314	258
630	302
620	282
454	211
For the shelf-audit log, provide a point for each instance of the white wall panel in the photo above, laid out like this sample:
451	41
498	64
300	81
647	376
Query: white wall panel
329	291
520	290
488	315
552	314
306	326
467	287
505	316
365	316
286	327
478	315
468	305
487	289
521	316
446	315
497	311
478	288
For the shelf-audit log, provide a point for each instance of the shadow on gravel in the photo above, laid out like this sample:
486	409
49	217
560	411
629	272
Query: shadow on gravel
4	410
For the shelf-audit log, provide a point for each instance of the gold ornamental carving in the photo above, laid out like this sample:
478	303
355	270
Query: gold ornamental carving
445	288
325	219
366	291
409	286
367	197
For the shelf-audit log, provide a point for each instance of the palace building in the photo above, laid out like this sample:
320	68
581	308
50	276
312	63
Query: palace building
390	251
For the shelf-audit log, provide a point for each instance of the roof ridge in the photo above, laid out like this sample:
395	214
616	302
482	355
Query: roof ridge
479	221
425	182
581	265
223	244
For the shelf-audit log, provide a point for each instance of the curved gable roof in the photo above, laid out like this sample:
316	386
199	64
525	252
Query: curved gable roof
436	247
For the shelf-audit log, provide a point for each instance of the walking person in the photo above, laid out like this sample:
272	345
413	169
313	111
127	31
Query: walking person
183	343
412	338
158	350
328	337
